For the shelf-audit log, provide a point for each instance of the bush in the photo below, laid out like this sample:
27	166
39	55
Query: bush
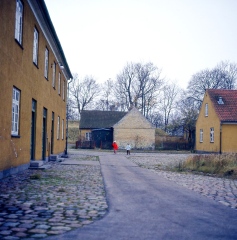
218	164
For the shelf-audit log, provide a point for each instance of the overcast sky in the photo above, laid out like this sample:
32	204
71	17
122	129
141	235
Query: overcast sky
181	37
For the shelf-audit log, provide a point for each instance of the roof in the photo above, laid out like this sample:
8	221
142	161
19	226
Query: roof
225	104
100	119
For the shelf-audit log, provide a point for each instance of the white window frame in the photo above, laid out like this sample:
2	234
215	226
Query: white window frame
35	46
54	74
15	111
206	110
58	128
88	136
201	135
59	83
212	134
62	129
46	63
63	90
19	21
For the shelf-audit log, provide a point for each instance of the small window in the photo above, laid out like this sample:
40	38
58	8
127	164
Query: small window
59	83
46	63
35	46
19	21
62	129
58	128
15	111
63	90
88	136
206	109
212	134
201	135
54	74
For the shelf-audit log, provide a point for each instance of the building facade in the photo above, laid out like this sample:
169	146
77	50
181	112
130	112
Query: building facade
33	86
216	126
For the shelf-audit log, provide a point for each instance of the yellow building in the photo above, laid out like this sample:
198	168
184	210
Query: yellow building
216	126
33	86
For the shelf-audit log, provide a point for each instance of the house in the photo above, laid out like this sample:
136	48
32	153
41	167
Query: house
33	86
125	127
98	126
216	126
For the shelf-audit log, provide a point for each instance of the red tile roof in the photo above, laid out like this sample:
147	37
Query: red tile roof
225	103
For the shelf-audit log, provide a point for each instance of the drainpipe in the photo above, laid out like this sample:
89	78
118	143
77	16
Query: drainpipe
220	137
65	151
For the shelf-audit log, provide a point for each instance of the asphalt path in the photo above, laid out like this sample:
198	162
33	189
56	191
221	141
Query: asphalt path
143	205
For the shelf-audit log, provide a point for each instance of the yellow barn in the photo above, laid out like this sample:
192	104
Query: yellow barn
216	126
33	86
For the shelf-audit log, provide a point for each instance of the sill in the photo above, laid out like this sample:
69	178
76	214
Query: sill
35	65
19	44
15	136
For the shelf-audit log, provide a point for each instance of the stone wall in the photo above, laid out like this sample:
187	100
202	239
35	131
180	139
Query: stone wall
136	130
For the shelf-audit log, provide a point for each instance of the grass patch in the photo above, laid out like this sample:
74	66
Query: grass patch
35	176
221	165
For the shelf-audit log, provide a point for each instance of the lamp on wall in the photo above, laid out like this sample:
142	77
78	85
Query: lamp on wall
59	64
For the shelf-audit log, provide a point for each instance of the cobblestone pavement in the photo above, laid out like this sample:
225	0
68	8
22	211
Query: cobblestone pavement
219	189
38	203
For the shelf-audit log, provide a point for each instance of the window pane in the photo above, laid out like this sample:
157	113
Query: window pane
15	111
35	47
18	21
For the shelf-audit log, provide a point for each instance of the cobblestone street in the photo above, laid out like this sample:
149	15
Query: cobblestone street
38	203
67	195
222	190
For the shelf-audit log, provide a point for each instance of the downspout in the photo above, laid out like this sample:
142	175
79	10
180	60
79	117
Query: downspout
220	137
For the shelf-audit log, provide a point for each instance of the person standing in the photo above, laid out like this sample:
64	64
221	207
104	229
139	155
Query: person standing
128	148
115	146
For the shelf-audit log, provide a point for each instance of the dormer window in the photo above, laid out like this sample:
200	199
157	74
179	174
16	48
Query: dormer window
220	101
206	110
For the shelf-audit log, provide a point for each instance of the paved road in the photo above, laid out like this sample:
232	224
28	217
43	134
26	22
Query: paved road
143	205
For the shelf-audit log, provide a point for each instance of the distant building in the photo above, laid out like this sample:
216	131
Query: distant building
33	86
216	126
101	128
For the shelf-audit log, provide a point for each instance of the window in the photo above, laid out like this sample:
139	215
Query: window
88	136
54	74
206	109
201	135
19	21
211	134
46	63
63	129
63	91
59	83
15	111
58	128
35	46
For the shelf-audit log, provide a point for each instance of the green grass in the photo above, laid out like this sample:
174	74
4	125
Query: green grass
222	165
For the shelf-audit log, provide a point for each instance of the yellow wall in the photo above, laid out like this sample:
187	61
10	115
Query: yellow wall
229	138
206	123
17	69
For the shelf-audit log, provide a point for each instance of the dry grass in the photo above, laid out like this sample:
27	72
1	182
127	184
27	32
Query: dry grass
224	165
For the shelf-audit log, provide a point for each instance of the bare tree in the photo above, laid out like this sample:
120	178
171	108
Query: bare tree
223	76
137	86
83	92
168	101
106	101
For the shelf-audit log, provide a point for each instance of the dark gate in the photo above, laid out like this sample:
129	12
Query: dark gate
102	138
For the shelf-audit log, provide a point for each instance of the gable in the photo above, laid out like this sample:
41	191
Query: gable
134	120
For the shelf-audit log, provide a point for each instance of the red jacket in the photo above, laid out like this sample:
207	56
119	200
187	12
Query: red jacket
115	146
